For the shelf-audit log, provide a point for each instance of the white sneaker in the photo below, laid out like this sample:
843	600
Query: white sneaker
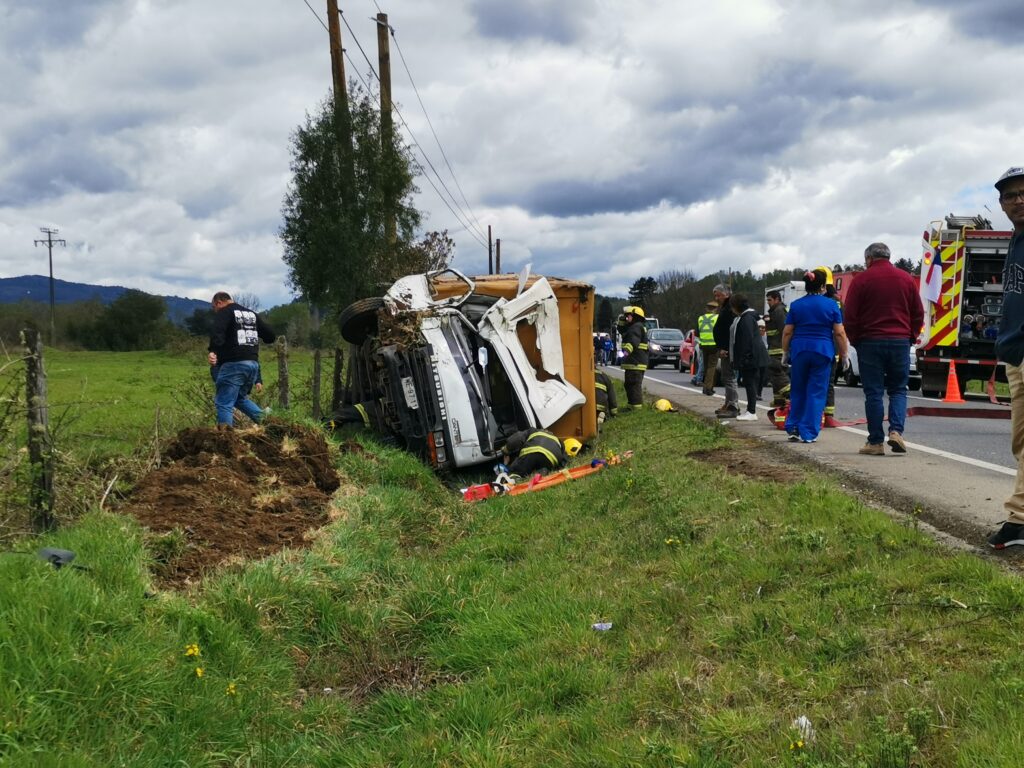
747	416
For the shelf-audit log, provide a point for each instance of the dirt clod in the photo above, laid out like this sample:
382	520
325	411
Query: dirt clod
235	495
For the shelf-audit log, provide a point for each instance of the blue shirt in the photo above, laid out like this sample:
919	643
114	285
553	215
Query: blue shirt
812	318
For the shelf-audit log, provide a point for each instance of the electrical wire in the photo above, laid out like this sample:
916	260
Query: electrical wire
313	11
464	218
436	138
477	235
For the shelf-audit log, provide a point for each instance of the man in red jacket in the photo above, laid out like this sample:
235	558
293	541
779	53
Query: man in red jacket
883	316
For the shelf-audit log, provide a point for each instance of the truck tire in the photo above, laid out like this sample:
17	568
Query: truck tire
359	319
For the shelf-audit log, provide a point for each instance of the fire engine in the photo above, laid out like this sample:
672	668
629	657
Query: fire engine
961	325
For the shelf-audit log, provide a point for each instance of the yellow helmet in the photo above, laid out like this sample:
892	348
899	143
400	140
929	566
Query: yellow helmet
572	446
638	311
828	274
663	405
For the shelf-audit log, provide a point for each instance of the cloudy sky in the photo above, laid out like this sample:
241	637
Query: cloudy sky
603	140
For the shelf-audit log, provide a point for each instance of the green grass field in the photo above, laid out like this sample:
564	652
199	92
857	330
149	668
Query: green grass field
420	630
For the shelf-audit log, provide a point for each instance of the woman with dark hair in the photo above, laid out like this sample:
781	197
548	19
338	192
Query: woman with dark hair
747	353
813	334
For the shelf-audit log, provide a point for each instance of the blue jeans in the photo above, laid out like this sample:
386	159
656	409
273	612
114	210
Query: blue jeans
884	368
235	381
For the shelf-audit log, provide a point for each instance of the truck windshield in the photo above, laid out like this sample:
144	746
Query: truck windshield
665	334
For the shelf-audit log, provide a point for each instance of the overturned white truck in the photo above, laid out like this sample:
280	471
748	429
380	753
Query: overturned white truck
452	366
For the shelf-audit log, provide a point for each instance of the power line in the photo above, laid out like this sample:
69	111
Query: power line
436	138
466	224
313	11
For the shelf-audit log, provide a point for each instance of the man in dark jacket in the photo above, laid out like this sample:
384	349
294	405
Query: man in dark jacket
1010	349
731	409
634	344
234	349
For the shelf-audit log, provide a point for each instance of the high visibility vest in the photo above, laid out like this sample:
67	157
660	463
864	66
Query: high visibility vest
706	326
546	444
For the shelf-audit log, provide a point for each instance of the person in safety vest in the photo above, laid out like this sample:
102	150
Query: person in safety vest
605	399
634	344
708	349
830	398
537	449
774	324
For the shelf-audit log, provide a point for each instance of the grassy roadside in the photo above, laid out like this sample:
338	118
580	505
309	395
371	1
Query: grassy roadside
453	634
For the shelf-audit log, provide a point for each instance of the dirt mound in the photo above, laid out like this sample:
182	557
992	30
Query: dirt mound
232	495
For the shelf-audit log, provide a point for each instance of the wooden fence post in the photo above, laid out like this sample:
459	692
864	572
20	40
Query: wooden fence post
40	449
316	383
336	382
283	400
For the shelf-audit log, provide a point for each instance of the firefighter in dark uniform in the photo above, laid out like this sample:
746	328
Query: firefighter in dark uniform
830	398
365	414
774	323
604	396
708	349
536	450
634	344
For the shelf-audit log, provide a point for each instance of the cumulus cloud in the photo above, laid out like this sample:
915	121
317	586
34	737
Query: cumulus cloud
603	141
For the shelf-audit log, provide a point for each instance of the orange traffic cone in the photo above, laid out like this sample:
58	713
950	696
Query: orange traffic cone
952	386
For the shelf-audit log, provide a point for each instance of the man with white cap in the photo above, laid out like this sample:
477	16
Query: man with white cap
1010	350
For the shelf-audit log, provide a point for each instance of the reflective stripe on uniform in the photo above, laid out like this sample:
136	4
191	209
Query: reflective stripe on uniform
541	450
362	412
633	367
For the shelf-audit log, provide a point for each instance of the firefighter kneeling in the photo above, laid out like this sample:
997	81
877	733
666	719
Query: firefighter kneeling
536	450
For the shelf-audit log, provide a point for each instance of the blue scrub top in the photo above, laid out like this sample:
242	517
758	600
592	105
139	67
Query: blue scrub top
812	318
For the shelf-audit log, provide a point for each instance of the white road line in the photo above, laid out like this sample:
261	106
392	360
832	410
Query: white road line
917	447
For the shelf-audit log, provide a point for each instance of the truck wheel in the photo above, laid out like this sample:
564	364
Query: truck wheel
359	319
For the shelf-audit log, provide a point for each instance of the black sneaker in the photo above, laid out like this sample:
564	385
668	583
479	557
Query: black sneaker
728	412
1010	535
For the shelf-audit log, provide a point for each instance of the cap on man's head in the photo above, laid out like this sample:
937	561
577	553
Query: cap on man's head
712	305
1012	173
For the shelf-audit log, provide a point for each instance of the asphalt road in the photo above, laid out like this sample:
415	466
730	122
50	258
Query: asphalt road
955	475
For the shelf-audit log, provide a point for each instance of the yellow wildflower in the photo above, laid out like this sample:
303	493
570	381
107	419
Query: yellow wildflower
231	690
199	671
192	649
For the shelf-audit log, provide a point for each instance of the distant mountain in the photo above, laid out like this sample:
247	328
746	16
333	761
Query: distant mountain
37	288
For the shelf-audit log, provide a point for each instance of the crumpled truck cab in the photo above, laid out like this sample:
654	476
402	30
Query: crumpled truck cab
453	365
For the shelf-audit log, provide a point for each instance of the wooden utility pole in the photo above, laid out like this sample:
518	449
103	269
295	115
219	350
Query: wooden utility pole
497	256
342	116
40	449
49	242
387	128
490	252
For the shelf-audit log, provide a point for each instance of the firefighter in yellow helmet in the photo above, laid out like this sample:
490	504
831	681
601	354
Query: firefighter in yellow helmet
634	343
830	398
537	450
